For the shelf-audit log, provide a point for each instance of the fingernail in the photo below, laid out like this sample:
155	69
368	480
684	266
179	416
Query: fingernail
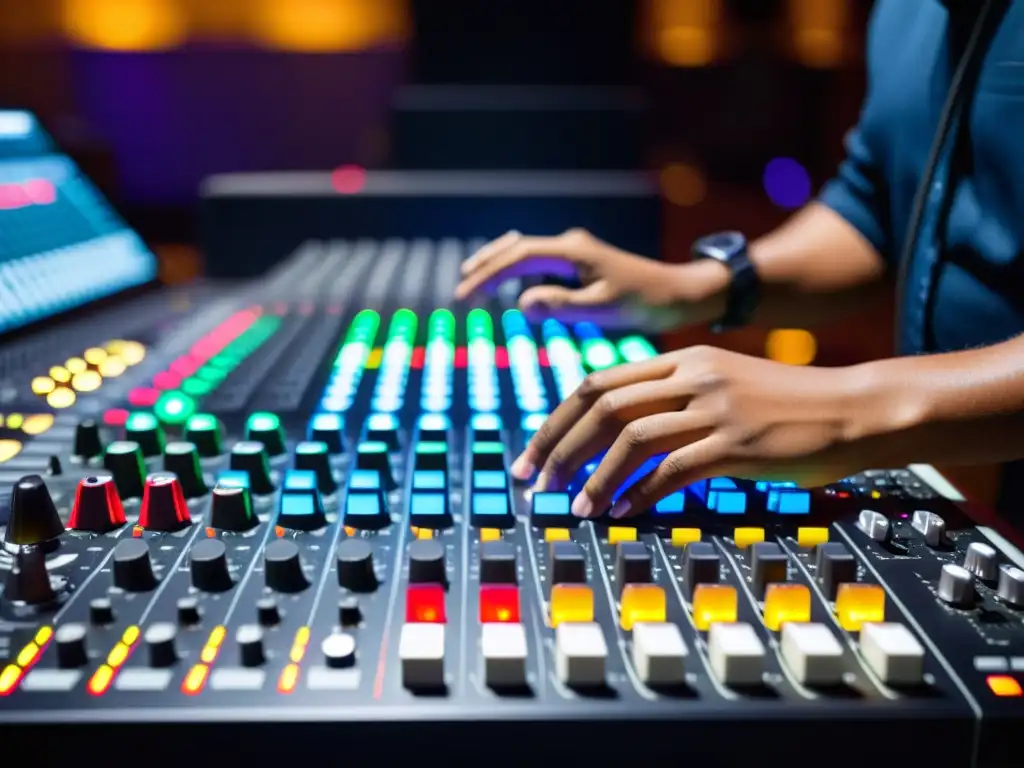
542	483
582	506
523	468
620	509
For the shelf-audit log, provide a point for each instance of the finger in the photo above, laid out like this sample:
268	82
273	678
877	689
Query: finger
684	466
554	297
604	422
638	442
578	403
549	254
489	249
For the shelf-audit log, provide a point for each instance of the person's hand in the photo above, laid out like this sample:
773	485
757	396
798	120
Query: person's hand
711	413
616	287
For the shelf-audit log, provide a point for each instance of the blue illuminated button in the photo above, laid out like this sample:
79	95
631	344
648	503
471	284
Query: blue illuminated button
489	480
551	510
301	508
328	428
672	504
488	455
429	510
364	480
432	455
313	456
766	485
233	478
491	510
725	497
374	455
434	427
383	428
429	480
486	428
299	480
789	501
366	511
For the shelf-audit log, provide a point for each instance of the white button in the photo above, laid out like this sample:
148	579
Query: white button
659	653
812	653
580	653
736	653
504	651
892	653
421	649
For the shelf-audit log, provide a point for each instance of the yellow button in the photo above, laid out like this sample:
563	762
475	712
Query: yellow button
859	604
617	534
556	534
786	602
9	449
571	603
490	534
424	533
744	537
9	678
683	536
1004	685
811	537
640	603
713	603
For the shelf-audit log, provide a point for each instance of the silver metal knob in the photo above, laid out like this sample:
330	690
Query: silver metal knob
874	524
982	560
1011	585
956	586
930	526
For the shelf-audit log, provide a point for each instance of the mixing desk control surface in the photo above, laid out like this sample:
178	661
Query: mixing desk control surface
289	502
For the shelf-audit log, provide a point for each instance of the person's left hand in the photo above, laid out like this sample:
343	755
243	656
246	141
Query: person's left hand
714	413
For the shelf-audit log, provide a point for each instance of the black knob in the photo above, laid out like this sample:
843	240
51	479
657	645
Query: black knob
498	563
834	564
314	456
427	563
383	428
283	566
231	509
188	611
182	459
88	442
251	457
266	428
267	612
123	459
355	566
208	564
133	567
71	649
633	564
53	466
375	456
164	507
339	650
97	507
144	428
250	645
101	611
204	432
34	518
568	563
349	614
328	428
768	565
160	639
29	581
701	565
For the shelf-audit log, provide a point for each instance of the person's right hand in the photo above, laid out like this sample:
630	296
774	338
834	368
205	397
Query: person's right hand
617	288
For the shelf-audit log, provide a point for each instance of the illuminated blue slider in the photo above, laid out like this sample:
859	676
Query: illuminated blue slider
366	505
328	428
491	509
434	428
551	510
301	508
429	480
428	509
374	455
486	428
786	498
488	455
489	480
383	428
233	478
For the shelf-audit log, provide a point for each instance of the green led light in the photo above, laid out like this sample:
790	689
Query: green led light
174	407
636	348
429	446
403	326
196	387
311	449
141	422
488	448
202	422
441	325
479	326
373	446
599	354
263	422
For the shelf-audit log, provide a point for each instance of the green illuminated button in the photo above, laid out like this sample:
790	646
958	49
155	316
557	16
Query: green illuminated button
374	456
144	429
599	354
203	430
174	407
123	460
432	455
195	387
313	456
488	456
266	428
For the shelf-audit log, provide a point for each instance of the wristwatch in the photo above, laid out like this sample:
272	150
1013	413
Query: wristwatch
730	248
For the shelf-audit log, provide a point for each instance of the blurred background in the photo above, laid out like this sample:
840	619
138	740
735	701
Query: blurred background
737	106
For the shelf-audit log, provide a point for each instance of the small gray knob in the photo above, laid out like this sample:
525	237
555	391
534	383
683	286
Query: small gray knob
956	586
1011	586
874	524
982	560
930	526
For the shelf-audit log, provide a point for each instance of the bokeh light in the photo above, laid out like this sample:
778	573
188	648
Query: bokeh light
348	179
683	184
125	25
787	183
792	346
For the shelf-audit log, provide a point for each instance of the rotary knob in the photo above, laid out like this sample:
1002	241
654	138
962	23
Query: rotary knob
339	650
182	459
355	566
283	567
209	566
29	581
1011	586
250	645
267	612
97	507
160	639
133	566
34	518
123	459
427	563
71	649
164	507
874	524
88	441
981	560
251	456
231	509
930	526
956	586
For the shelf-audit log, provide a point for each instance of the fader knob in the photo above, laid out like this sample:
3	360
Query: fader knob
982	560
133	567
834	565
97	507
208	565
355	566
164	507
956	586
313	456
182	459
768	565
231	509
144	428
34	518
283	567
249	456
701	564
29	581
71	649
250	645
874	524
88	443
266	428
123	459
427	563
1011	586
160	639
633	563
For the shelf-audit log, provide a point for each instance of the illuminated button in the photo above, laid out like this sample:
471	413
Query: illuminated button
683	536
736	654
789	501
434	427
725	498
429	510
424	603
571	603
313	457
813	654
498	563
568	563
204	431
641	603
673	504
364	480
422	534
784	603
486	428
499	603
490	455
580	654
432	455
421	651
266	428
374	456
713	604
174	407
301	508
858	604
556	534
811	537
489	480
383	428
366	511
429	480
617	534
551	509
768	565
504	650
659	654
744	537
491	510
892	653
144	429
233	478
490	534
251	457
1004	686
633	563
328	428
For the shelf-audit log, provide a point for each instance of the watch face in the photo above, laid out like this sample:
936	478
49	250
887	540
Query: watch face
721	246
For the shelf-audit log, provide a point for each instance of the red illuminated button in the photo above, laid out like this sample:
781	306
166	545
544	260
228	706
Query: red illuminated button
1004	686
424	604
499	604
163	504
143	397
97	507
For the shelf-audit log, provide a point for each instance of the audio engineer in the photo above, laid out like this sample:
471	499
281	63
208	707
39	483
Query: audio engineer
931	193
